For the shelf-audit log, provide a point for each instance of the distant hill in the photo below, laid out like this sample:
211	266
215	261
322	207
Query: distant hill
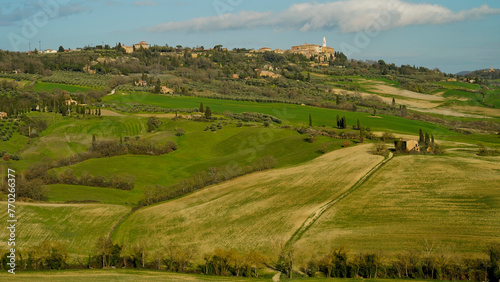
483	73
463	73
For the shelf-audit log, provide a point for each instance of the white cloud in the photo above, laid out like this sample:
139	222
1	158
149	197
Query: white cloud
347	16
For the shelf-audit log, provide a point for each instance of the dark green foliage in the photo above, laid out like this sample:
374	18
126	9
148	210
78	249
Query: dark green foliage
153	123
180	132
208	112
494	263
310	121
201	108
253	117
31	126
342	123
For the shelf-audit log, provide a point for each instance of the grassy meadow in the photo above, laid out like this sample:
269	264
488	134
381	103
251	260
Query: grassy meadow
46	86
201	150
76	226
251	212
450	201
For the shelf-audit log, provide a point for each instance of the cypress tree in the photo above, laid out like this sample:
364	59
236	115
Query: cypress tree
99	111
338	121
362	134
432	139
208	112
421	136
201	108
427	139
393	103
310	121
344	122
359	125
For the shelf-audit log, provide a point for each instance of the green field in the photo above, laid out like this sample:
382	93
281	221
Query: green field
451	201
200	150
289	113
46	86
250	212
76	193
76	226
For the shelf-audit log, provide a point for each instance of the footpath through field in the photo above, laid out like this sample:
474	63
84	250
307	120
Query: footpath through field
317	214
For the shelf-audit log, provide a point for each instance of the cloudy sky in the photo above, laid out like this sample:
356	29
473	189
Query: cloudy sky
452	35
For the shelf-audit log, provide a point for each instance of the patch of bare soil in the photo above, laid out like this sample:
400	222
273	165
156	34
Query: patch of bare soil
109	113
478	110
385	89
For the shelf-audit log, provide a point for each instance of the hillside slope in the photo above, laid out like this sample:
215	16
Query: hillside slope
451	201
249	212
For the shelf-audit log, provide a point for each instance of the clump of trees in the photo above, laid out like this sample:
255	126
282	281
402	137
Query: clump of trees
153	123
253	117
408	265
122	182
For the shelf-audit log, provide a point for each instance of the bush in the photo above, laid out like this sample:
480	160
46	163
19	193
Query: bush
346	144
381	149
311	139
180	132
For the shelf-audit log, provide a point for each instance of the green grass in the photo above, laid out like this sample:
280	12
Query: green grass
250	212
295	114
68	136
200	150
16	143
452	201
457	85
63	193
75	226
46	86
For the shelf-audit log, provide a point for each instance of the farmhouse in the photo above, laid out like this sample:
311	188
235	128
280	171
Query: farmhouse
166	90
128	49
142	44
142	83
407	145
3	115
70	102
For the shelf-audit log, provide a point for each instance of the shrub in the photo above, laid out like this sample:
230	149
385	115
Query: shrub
180	132
311	139
346	144
381	149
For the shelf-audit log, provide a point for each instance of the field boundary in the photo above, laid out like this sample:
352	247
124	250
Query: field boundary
320	211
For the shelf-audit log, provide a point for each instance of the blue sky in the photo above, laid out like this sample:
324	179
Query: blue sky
452	35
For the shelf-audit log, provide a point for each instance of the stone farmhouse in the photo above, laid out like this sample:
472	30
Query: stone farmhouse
408	145
142	44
